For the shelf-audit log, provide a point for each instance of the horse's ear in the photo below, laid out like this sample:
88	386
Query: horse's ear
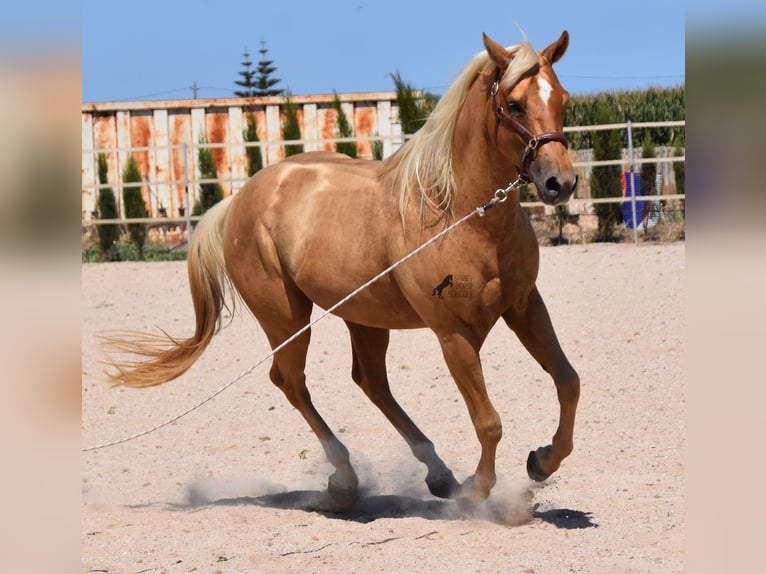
499	55
557	49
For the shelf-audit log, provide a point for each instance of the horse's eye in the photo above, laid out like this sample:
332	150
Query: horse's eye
515	108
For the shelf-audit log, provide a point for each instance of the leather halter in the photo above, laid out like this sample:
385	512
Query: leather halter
533	141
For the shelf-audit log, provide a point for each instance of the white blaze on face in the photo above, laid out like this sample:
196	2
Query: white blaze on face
545	89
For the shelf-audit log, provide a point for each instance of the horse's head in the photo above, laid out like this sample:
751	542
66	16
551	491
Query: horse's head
527	104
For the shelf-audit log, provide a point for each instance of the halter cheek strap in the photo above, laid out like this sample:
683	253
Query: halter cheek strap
533	141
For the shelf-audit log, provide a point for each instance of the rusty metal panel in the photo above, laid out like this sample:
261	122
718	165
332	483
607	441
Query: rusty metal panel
217	129
273	133
89	168
364	123
141	135
237	155
161	173
327	126
310	129
180	135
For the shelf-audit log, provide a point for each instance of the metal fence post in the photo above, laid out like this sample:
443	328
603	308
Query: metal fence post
188	209
630	182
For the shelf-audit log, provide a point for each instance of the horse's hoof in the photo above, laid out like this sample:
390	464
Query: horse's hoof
443	486
533	468
342	490
469	497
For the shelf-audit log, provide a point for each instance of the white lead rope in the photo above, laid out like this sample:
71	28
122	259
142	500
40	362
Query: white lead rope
499	197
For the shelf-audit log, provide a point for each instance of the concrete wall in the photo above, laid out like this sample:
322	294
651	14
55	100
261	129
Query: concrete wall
156	132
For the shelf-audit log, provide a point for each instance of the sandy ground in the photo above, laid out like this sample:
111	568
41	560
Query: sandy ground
230	487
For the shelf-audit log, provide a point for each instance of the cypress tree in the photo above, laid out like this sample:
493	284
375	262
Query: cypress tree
291	129
134	204
210	193
108	234
606	181
413	111
254	157
377	148
343	129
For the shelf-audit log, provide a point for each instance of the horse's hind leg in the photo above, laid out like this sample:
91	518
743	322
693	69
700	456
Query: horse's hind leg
535	331
369	347
288	373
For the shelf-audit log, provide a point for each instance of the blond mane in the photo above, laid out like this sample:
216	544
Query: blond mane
424	164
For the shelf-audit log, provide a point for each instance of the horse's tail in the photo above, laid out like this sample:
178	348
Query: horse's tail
163	358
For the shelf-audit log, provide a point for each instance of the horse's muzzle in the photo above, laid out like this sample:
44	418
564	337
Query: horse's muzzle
556	190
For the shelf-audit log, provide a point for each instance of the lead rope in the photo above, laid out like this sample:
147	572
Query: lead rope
500	196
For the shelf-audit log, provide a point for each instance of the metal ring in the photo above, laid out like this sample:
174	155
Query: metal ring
501	195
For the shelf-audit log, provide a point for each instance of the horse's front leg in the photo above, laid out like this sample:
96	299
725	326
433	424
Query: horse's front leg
461	352
535	331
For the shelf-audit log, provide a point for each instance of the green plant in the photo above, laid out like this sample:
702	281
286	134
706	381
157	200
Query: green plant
606	181
651	105
108	234
134	203
414	108
377	149
648	170
291	129
210	192
343	129
254	156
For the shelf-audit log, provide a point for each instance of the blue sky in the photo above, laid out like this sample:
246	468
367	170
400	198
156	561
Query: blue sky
157	50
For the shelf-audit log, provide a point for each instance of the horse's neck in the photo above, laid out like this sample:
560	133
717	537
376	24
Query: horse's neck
478	167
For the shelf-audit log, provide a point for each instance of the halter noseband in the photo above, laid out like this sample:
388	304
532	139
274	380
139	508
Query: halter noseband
533	141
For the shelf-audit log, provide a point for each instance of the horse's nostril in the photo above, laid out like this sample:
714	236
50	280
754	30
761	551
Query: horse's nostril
552	184
574	185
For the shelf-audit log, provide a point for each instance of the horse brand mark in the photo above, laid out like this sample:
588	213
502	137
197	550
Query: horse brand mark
446	282
460	286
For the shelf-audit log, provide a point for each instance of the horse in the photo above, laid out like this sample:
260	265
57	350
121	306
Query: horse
310	229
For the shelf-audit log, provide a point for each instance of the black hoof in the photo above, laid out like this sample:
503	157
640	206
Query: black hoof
444	486
343	490
533	468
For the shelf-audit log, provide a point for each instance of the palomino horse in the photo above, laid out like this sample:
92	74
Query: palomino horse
314	227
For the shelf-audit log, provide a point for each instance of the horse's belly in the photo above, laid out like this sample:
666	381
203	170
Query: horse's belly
380	304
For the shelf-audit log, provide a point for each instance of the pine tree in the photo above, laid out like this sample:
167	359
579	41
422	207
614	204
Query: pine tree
109	233
264	83
134	203
210	193
606	181
247	82
291	129
343	129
